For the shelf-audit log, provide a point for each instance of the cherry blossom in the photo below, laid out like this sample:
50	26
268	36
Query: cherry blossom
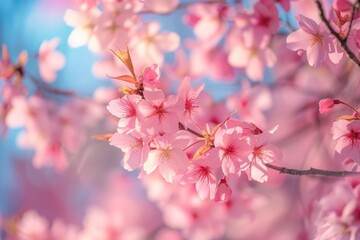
336	218
115	22
152	43
208	21
135	146
150	77
83	23
203	173
187	130
168	156
32	226
347	135
159	113
223	192
262	153
325	105
125	109
50	61
190	98
233	150
312	38
343	5
266	17
253	54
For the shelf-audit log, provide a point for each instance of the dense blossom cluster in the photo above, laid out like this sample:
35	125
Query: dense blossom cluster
157	132
207	168
50	130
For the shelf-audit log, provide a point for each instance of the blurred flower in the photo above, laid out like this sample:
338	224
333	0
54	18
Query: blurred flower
50	60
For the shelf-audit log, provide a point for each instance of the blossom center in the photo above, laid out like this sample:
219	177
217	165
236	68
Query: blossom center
258	152
166	154
202	172
190	104
136	144
316	40
160	111
353	137
127	110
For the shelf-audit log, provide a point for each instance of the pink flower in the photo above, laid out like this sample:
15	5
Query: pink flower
190	99
211	62
32	226
114	25
325	105
125	109
338	211
251	103
41	131
262	153
180	68
150	76
202	172
252	54
134	145
343	5
233	150
50	60
266	16
168	156
312	38
159	114
347	134
223	192
149	44
50	154
84	23
208	21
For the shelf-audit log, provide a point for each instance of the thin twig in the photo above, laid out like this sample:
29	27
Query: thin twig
354	7
187	4
312	171
45	87
182	127
342	41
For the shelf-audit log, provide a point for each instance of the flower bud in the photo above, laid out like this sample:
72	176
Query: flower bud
325	105
223	192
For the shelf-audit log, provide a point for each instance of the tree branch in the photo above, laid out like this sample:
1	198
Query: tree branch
342	41
312	171
354	7
182	127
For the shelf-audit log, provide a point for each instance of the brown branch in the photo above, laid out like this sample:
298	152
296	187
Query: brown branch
312	171
42	86
354	7
342	41
187	4
182	127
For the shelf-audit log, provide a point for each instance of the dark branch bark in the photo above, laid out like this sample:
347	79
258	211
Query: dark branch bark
342	41
312	171
351	21
182	127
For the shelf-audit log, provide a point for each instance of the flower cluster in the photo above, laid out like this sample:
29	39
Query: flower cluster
317	40
52	130
193	145
338	213
346	132
165	133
